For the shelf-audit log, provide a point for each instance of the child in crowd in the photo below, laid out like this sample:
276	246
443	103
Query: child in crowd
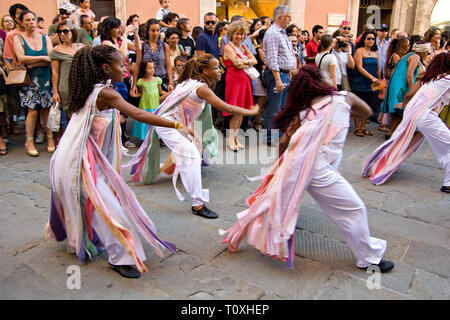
149	91
163	11
85	9
179	66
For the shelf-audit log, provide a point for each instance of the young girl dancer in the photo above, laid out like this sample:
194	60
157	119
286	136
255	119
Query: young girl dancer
420	121
150	90
186	104
91	204
315	122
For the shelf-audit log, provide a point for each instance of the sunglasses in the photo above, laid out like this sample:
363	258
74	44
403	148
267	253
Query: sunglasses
347	28
65	31
370	39
210	22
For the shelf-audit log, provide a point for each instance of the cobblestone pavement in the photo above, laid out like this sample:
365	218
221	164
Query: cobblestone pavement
409	212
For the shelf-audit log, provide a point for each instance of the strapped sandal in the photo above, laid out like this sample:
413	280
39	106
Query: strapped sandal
368	133
359	133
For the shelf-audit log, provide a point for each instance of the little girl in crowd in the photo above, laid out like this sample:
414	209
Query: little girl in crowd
149	90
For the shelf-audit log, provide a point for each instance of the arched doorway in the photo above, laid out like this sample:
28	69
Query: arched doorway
440	17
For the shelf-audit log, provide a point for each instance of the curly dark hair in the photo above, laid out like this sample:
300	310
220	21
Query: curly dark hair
86	71
438	68
304	87
108	24
170	32
194	67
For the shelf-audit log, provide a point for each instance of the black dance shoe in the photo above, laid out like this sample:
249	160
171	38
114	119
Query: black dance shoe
445	189
384	266
206	213
126	271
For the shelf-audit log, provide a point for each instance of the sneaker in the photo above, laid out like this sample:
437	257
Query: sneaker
40	138
126	271
205	213
129	144
384	266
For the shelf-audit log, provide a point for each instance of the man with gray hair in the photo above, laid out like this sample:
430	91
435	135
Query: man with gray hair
279	61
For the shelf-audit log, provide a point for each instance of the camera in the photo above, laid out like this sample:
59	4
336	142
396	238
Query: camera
342	44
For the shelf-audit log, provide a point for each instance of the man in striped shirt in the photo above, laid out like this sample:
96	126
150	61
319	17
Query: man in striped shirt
279	61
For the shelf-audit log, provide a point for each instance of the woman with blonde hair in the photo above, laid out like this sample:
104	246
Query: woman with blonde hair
238	85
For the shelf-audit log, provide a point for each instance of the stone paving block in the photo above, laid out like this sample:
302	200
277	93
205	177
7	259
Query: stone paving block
337	255
190	233
98	281
409	228
429	286
429	258
193	279
341	286
300	283
436	214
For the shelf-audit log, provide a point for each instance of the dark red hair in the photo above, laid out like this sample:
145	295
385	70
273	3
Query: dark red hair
304	87
438	68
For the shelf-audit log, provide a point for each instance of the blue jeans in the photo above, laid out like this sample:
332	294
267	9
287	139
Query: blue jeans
274	100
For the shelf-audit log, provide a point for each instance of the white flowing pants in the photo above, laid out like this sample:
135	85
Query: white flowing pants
117	254
188	163
344	207
438	136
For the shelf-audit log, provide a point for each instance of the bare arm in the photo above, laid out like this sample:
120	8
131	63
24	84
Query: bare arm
208	95
55	80
351	62
359	107
229	54
413	61
109	98
168	66
137	67
20	54
333	75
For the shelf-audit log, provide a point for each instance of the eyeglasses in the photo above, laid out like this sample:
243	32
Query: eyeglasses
210	22
347	28
65	31
370	39
6	21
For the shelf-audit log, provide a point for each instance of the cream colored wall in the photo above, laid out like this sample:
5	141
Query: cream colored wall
46	9
147	9
316	12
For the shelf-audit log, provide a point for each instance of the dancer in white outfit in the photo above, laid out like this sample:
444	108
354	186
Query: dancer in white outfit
420	122
315	122
186	104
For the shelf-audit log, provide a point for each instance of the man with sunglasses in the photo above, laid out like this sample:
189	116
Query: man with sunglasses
208	40
383	45
345	28
65	10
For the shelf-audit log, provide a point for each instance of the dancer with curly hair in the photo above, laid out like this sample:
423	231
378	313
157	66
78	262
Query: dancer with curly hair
91	204
315	122
420	122
188	104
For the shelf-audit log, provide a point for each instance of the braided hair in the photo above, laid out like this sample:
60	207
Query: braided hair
86	71
193	69
303	89
438	68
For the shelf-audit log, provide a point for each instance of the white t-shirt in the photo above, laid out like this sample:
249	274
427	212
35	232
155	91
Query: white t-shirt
342	61
327	61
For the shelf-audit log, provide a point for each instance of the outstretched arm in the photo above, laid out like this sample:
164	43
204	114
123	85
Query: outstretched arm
109	98
210	97
359	107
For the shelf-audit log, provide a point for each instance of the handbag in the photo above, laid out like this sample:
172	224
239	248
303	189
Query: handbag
251	72
3	89
54	117
345	83
18	78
